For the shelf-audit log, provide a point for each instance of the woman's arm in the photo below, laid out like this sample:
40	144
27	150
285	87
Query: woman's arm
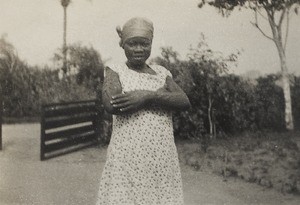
111	87
170	97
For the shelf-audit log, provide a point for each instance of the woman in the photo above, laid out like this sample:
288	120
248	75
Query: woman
142	163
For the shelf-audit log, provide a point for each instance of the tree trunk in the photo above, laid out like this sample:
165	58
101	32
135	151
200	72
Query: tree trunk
209	110
286	87
64	68
277	38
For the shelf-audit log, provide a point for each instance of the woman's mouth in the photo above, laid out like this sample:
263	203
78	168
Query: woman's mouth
138	57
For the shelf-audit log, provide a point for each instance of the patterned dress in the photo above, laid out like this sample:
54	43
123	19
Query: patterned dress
142	165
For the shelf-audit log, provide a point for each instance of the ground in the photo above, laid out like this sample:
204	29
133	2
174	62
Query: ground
74	178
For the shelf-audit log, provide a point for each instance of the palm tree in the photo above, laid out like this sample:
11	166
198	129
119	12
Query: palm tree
65	4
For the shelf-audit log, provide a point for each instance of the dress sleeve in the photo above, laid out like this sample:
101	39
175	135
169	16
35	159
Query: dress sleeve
113	68
117	73
166	72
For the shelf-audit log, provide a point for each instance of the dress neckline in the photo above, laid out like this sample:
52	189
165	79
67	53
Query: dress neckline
155	72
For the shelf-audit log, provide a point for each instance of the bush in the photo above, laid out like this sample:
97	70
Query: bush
25	88
222	103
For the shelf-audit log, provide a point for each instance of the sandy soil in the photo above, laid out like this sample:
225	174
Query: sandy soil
73	178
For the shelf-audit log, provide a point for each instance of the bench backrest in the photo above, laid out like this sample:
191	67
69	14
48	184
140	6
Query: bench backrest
67	127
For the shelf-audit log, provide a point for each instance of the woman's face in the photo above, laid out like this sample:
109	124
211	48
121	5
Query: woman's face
137	50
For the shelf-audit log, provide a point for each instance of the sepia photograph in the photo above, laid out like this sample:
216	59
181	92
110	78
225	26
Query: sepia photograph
148	102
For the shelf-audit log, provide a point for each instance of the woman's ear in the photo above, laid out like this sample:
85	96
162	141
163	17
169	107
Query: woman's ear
119	31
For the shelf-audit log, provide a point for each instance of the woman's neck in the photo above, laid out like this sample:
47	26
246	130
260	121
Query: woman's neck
137	67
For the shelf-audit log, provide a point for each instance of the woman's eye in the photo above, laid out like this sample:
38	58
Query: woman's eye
136	44
130	44
145	44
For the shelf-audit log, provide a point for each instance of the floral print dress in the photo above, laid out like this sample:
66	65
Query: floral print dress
142	165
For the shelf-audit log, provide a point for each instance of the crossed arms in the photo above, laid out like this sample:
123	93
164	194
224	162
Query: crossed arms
170	97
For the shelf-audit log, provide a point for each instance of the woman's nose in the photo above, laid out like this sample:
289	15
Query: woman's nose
139	48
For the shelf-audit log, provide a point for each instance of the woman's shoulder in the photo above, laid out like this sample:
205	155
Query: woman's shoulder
113	67
161	69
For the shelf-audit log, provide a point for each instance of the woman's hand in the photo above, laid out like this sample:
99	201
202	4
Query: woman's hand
131	101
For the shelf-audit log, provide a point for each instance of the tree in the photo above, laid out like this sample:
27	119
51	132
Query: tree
210	65
15	81
8	55
65	4
86	63
9	68
275	12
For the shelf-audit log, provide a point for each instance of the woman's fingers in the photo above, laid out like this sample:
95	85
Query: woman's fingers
126	102
118	96
118	100
121	105
128	108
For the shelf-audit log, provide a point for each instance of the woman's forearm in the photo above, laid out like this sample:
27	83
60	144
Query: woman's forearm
169	100
136	100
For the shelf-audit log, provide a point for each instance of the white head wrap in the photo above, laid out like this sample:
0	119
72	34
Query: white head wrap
136	27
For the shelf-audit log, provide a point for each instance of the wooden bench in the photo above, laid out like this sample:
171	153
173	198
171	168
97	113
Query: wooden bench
68	127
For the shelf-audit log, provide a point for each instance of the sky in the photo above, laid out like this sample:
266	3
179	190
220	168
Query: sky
35	28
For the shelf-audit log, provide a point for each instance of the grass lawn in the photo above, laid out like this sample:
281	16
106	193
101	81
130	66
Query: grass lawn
269	159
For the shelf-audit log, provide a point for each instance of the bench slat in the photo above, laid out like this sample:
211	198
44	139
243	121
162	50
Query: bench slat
70	142
46	106
70	110
60	122
69	132
70	150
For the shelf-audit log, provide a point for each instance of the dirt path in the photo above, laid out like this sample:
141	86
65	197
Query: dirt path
73	178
